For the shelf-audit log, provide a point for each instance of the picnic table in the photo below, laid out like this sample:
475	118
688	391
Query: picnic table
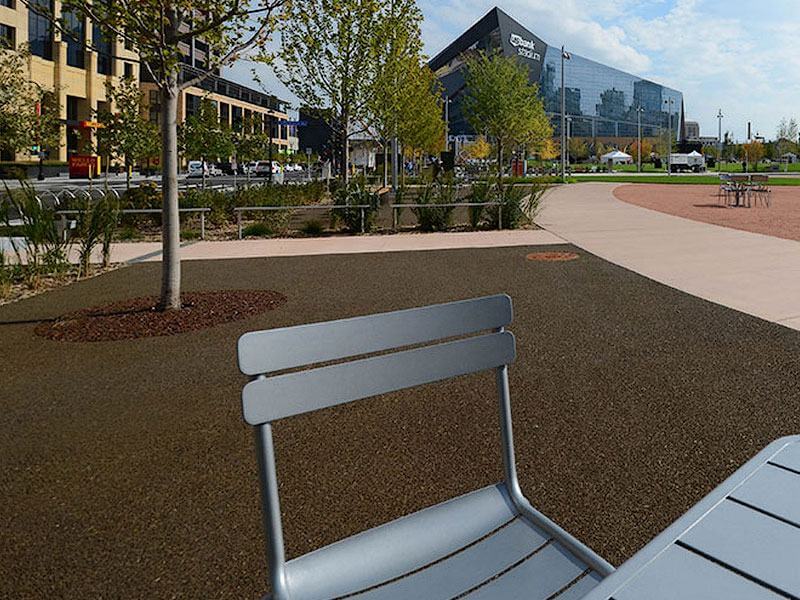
742	541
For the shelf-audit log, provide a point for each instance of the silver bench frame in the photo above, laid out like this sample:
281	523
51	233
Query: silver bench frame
266	399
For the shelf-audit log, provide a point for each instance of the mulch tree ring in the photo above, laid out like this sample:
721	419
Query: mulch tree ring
552	256
140	317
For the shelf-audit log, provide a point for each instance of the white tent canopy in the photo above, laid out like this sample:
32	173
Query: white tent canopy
616	157
695	153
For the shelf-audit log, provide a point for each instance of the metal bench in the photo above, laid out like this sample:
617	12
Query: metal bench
490	543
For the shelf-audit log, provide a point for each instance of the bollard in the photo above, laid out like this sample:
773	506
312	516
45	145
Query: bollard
239	222
362	220
202	224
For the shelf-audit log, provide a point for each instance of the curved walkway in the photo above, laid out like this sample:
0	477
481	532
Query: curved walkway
753	273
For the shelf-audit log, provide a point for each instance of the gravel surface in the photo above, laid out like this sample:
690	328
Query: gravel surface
700	203
128	473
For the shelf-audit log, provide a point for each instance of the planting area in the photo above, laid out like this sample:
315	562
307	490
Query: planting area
701	203
128	472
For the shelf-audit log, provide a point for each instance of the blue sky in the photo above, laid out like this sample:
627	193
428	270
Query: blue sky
737	55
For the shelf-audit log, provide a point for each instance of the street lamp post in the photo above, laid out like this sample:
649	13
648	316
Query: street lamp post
670	102
719	141
639	111
569	137
565	56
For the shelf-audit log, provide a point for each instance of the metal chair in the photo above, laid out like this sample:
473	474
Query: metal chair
760	189
489	543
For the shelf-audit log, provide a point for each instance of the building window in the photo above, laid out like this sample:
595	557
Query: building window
224	114
102	43
128	68
237	118
40	30
75	37
8	3
8	36
192	104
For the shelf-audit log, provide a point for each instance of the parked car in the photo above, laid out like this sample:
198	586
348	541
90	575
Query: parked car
230	168
195	169
214	170
261	168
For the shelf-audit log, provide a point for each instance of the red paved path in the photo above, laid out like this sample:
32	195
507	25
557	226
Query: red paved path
699	203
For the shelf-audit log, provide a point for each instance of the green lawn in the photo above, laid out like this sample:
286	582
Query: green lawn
676	179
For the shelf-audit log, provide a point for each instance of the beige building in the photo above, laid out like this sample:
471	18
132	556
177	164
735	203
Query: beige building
239	107
75	67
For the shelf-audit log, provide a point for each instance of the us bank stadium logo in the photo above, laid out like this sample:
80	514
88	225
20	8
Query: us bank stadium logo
526	48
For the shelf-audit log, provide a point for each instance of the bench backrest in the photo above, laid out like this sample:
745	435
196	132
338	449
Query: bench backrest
407	350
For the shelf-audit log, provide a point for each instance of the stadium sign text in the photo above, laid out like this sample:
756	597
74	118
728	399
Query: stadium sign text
526	48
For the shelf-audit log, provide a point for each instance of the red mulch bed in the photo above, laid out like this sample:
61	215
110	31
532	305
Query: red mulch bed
551	256
139	317
700	203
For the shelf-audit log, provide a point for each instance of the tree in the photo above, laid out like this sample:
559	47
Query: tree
578	149
29	114
753	152
202	136
327	60
125	133
158	30
397	59
421	126
479	149
501	101
646	149
787	137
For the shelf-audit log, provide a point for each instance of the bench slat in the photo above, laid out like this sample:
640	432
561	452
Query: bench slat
289	347
761	546
680	573
269	399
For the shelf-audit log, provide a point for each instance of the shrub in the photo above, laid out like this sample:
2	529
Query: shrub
313	228
146	195
13	172
260	229
430	216
95	225
127	233
189	234
220	203
481	192
6	277
518	204
354	194
45	250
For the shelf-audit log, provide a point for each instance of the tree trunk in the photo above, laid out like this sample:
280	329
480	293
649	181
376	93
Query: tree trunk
499	165
344	152
127	175
170	226
385	163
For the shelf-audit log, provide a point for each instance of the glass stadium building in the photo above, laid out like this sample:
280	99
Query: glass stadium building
601	102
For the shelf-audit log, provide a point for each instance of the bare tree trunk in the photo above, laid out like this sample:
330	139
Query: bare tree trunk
499	165
385	163
170	226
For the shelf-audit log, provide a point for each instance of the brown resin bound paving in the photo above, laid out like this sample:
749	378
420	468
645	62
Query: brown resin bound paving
700	203
127	471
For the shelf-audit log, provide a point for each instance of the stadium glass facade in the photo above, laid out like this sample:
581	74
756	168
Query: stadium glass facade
600	101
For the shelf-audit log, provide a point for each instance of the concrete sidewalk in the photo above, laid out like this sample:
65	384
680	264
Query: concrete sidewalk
753	273
404	242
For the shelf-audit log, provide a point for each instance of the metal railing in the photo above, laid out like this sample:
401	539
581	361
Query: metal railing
396	207
239	210
147	211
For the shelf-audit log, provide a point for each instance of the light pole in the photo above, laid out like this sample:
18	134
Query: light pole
719	141
670	102
565	56
569	137
639	111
